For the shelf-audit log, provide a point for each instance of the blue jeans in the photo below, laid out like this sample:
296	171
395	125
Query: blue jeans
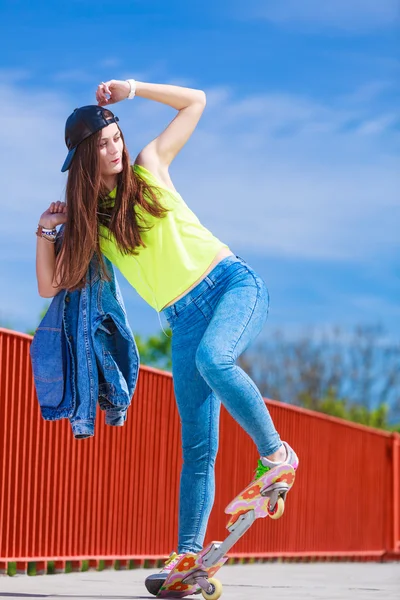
211	326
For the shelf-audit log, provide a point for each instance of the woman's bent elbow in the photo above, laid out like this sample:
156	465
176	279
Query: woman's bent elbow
202	98
45	294
48	292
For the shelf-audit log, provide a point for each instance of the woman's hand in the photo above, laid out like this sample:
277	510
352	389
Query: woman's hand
114	89
55	215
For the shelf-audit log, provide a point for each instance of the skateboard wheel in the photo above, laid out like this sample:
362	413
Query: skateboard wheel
278	509
217	590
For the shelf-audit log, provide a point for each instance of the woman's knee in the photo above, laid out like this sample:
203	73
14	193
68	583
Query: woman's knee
211	362
200	455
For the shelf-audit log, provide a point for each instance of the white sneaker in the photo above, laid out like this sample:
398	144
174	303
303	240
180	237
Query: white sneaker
154	582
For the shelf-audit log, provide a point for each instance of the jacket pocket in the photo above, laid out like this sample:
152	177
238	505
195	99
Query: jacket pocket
48	357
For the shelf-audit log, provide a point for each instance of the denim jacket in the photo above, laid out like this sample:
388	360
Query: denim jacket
84	352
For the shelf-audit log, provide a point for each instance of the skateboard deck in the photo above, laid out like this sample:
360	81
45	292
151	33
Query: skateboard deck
251	498
175	588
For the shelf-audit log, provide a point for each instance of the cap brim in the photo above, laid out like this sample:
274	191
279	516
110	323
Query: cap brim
68	160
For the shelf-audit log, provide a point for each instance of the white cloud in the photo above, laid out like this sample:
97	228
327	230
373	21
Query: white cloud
109	62
379	125
374	304
347	15
72	76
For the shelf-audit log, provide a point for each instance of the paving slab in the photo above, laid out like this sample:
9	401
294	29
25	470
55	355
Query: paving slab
275	581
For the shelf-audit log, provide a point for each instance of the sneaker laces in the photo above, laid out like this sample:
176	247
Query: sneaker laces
172	560
260	470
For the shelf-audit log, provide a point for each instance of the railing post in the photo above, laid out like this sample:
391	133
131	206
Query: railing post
396	492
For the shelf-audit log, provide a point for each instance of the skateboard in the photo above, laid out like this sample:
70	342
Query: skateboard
194	573
191	576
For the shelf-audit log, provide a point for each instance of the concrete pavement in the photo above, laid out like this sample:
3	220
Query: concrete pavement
275	581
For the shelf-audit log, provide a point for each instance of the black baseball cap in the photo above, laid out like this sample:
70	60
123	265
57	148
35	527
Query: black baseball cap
81	124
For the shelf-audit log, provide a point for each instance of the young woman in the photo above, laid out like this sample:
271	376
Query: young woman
213	300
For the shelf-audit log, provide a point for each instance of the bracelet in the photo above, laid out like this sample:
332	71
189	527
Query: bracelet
132	84
46	234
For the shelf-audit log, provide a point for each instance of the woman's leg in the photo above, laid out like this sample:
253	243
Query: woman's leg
199	411
236	321
207	339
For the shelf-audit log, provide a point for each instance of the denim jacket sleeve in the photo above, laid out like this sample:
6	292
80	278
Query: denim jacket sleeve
116	352
51	364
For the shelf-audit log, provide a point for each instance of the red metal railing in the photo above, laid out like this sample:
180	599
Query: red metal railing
396	492
115	496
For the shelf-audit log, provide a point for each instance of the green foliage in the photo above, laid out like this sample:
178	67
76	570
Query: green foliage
85	565
335	406
156	350
51	567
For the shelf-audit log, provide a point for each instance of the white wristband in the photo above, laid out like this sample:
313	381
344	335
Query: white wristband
132	93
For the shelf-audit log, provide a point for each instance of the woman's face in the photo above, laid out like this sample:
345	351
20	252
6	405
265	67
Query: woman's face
110	148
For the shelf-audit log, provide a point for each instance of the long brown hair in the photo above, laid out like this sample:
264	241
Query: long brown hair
87	208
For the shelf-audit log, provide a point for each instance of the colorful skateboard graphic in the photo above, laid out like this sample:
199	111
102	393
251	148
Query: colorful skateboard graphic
251	498
174	586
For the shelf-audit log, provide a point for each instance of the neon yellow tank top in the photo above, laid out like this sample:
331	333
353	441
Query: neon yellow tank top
179	249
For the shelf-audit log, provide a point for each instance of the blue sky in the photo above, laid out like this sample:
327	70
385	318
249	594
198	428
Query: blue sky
294	163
